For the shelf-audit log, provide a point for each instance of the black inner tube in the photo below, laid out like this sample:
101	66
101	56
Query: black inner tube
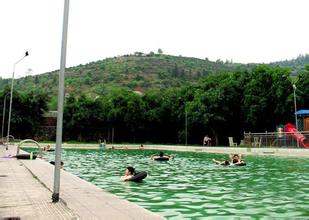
161	158
25	156
240	164
138	176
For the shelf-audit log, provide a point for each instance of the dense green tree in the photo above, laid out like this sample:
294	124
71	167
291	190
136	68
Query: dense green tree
83	118
303	89
221	104
267	98
27	111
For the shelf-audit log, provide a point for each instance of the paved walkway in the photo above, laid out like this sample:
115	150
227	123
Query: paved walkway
27	189
23	196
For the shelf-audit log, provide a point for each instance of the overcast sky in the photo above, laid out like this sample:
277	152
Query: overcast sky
242	30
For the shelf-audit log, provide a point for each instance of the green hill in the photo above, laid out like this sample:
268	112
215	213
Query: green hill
296	65
137	72
134	72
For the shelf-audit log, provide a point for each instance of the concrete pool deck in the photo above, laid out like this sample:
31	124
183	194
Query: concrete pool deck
26	187
286	152
24	196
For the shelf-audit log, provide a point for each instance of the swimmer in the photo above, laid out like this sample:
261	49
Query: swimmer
46	148
161	157
128	174
223	163
141	147
234	160
61	164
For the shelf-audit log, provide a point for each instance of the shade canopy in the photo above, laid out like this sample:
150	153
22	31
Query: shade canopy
302	112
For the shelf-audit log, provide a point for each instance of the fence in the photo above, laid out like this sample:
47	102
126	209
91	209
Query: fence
276	139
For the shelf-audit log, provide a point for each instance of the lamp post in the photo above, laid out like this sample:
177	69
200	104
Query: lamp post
186	124
295	109
3	116
11	97
55	196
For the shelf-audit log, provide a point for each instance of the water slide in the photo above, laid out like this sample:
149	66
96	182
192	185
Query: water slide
303	141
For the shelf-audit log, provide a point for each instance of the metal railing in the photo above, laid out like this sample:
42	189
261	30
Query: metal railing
276	139
31	141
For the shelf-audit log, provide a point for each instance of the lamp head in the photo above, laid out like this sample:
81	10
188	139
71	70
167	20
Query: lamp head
294	86
27	53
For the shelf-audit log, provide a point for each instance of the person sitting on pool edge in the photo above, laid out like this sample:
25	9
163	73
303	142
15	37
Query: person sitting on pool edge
161	156
128	174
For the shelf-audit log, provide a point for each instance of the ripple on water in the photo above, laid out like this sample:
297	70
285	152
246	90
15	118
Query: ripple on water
191	186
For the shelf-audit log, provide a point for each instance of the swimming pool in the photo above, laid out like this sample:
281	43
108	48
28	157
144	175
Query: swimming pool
192	187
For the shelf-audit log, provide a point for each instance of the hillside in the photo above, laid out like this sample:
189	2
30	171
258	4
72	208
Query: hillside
137	72
134	72
296	65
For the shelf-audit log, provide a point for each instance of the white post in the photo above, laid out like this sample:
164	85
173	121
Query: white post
112	136
186	125
11	99
295	108
55	196
3	116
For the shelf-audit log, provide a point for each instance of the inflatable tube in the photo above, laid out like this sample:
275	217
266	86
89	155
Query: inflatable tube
161	158
138	176
227	163
25	156
240	164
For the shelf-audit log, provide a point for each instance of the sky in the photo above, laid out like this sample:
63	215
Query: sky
245	31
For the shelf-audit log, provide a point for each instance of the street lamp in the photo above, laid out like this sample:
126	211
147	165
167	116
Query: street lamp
186	124
55	196
3	115
11	97
295	109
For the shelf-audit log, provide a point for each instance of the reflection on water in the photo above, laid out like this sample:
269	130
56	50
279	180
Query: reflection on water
191	186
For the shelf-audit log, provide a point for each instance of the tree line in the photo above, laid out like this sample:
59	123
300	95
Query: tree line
220	105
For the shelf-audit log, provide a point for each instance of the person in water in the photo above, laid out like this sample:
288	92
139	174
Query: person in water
223	163
234	160
128	174
47	148
161	155
61	164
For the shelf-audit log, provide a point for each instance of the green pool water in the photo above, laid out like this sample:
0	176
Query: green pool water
192	187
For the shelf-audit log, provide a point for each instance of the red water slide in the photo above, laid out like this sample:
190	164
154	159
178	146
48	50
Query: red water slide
297	135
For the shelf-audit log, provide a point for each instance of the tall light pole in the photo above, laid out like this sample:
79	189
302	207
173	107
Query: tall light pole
55	196
11	98
3	116
186	124
295	109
